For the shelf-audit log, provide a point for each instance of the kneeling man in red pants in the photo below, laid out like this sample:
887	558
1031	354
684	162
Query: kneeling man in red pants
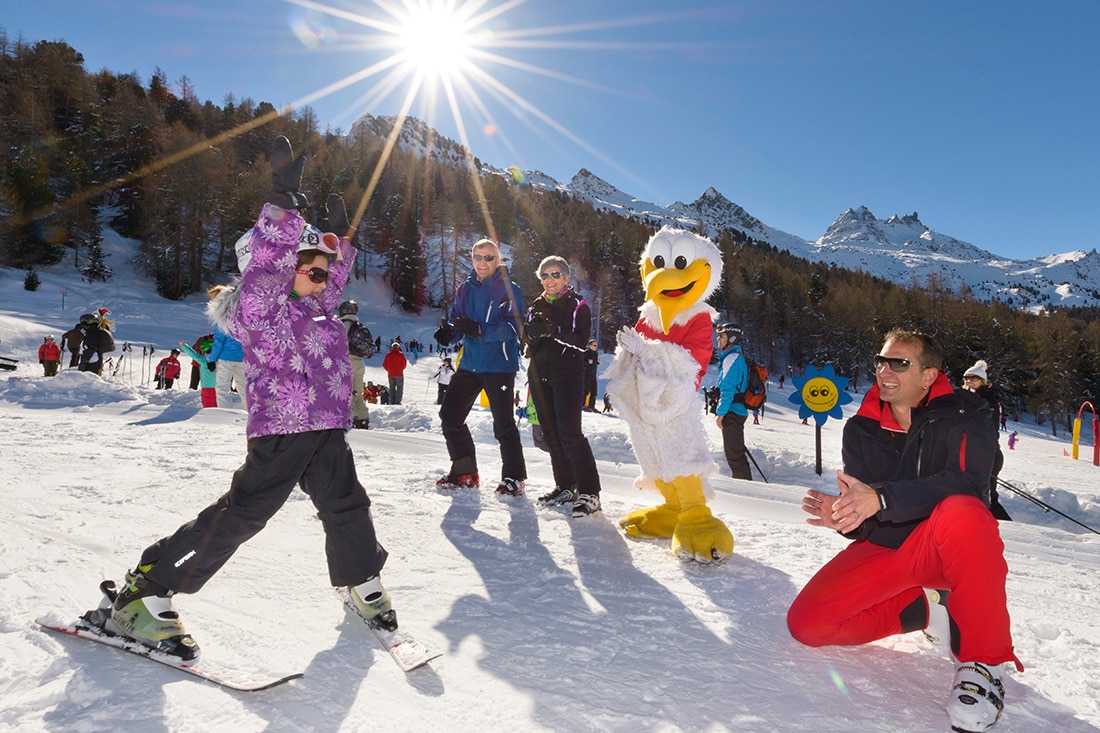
914	497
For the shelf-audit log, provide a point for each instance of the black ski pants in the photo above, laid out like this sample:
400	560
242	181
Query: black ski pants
459	399
323	465
733	443
558	404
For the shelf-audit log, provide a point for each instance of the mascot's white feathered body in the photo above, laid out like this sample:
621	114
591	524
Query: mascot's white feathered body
654	383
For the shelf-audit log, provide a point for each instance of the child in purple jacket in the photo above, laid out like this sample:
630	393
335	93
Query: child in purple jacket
299	377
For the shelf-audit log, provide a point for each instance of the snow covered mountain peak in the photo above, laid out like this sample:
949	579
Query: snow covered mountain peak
717	213
900	248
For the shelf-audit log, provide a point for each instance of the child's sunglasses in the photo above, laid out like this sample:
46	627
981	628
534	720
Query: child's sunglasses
316	274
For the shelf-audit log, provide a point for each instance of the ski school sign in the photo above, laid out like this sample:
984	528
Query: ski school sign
820	393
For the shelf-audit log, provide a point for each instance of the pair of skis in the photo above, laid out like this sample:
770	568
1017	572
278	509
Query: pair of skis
406	651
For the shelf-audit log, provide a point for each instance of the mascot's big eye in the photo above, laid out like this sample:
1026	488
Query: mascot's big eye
658	262
682	252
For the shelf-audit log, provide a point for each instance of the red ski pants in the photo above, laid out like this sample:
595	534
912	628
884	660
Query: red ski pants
859	595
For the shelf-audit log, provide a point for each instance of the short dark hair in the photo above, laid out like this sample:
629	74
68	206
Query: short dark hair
931	354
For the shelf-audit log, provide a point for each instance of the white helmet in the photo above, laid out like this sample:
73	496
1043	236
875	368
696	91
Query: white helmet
310	238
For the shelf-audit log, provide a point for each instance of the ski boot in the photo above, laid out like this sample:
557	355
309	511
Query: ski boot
560	496
511	487
459	481
586	504
143	611
977	697
373	603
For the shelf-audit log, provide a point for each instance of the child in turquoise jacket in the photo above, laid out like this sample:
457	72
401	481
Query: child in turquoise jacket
208	377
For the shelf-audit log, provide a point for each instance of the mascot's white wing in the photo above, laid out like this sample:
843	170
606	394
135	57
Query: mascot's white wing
652	387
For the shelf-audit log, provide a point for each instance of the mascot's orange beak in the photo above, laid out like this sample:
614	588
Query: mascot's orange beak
672	290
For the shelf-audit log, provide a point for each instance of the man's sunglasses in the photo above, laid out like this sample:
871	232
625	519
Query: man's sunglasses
484	258
897	365
547	275
316	274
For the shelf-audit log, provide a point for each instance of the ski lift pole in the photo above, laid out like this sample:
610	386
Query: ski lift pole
753	459
1046	507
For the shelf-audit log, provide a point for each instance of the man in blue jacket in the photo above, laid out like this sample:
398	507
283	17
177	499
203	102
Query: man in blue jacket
733	379
486	314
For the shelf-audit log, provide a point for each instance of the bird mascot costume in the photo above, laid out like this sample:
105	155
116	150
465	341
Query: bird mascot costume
654	383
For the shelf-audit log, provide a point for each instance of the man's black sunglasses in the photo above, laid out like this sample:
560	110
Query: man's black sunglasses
897	365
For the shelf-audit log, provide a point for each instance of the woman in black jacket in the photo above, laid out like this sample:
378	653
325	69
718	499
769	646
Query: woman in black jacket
976	380
557	328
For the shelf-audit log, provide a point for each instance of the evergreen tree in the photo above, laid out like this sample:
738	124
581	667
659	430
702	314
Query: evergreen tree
96	266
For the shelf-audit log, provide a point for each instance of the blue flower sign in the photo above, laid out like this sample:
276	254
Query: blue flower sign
820	393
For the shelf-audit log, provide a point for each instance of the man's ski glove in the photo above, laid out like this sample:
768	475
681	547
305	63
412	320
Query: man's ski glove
540	330
445	334
338	217
212	365
286	176
468	327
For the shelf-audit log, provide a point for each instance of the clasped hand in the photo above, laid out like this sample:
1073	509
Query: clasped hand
539	329
468	327
857	501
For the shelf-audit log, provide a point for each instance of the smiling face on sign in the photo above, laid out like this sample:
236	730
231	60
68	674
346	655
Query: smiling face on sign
820	394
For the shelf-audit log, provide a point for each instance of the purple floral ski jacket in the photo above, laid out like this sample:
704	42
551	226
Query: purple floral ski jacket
295	351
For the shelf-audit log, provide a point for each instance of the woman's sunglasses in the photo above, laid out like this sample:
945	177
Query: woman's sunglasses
547	275
897	365
316	274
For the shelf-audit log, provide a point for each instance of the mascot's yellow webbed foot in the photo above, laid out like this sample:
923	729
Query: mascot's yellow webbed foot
655	521
699	535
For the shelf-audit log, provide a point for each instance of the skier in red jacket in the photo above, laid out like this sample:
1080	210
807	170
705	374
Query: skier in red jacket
168	370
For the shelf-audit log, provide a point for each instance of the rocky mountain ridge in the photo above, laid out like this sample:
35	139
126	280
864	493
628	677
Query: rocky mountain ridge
900	248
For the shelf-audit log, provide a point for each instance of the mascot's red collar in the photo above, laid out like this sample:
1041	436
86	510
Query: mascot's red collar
694	334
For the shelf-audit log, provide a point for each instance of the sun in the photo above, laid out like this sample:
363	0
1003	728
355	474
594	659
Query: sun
434	39
451	55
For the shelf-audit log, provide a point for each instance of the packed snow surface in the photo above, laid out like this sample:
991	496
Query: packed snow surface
547	622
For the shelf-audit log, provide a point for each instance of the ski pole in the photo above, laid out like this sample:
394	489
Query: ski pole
749	454
1046	507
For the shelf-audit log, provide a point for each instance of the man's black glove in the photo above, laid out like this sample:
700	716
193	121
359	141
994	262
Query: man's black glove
540	329
468	327
212	365
338	217
286	176
445	334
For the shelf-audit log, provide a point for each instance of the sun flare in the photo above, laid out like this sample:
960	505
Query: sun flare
434	39
441	54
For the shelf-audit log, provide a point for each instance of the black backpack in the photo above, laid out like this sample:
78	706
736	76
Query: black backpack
360	341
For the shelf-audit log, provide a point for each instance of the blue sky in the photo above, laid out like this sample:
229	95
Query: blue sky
980	116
